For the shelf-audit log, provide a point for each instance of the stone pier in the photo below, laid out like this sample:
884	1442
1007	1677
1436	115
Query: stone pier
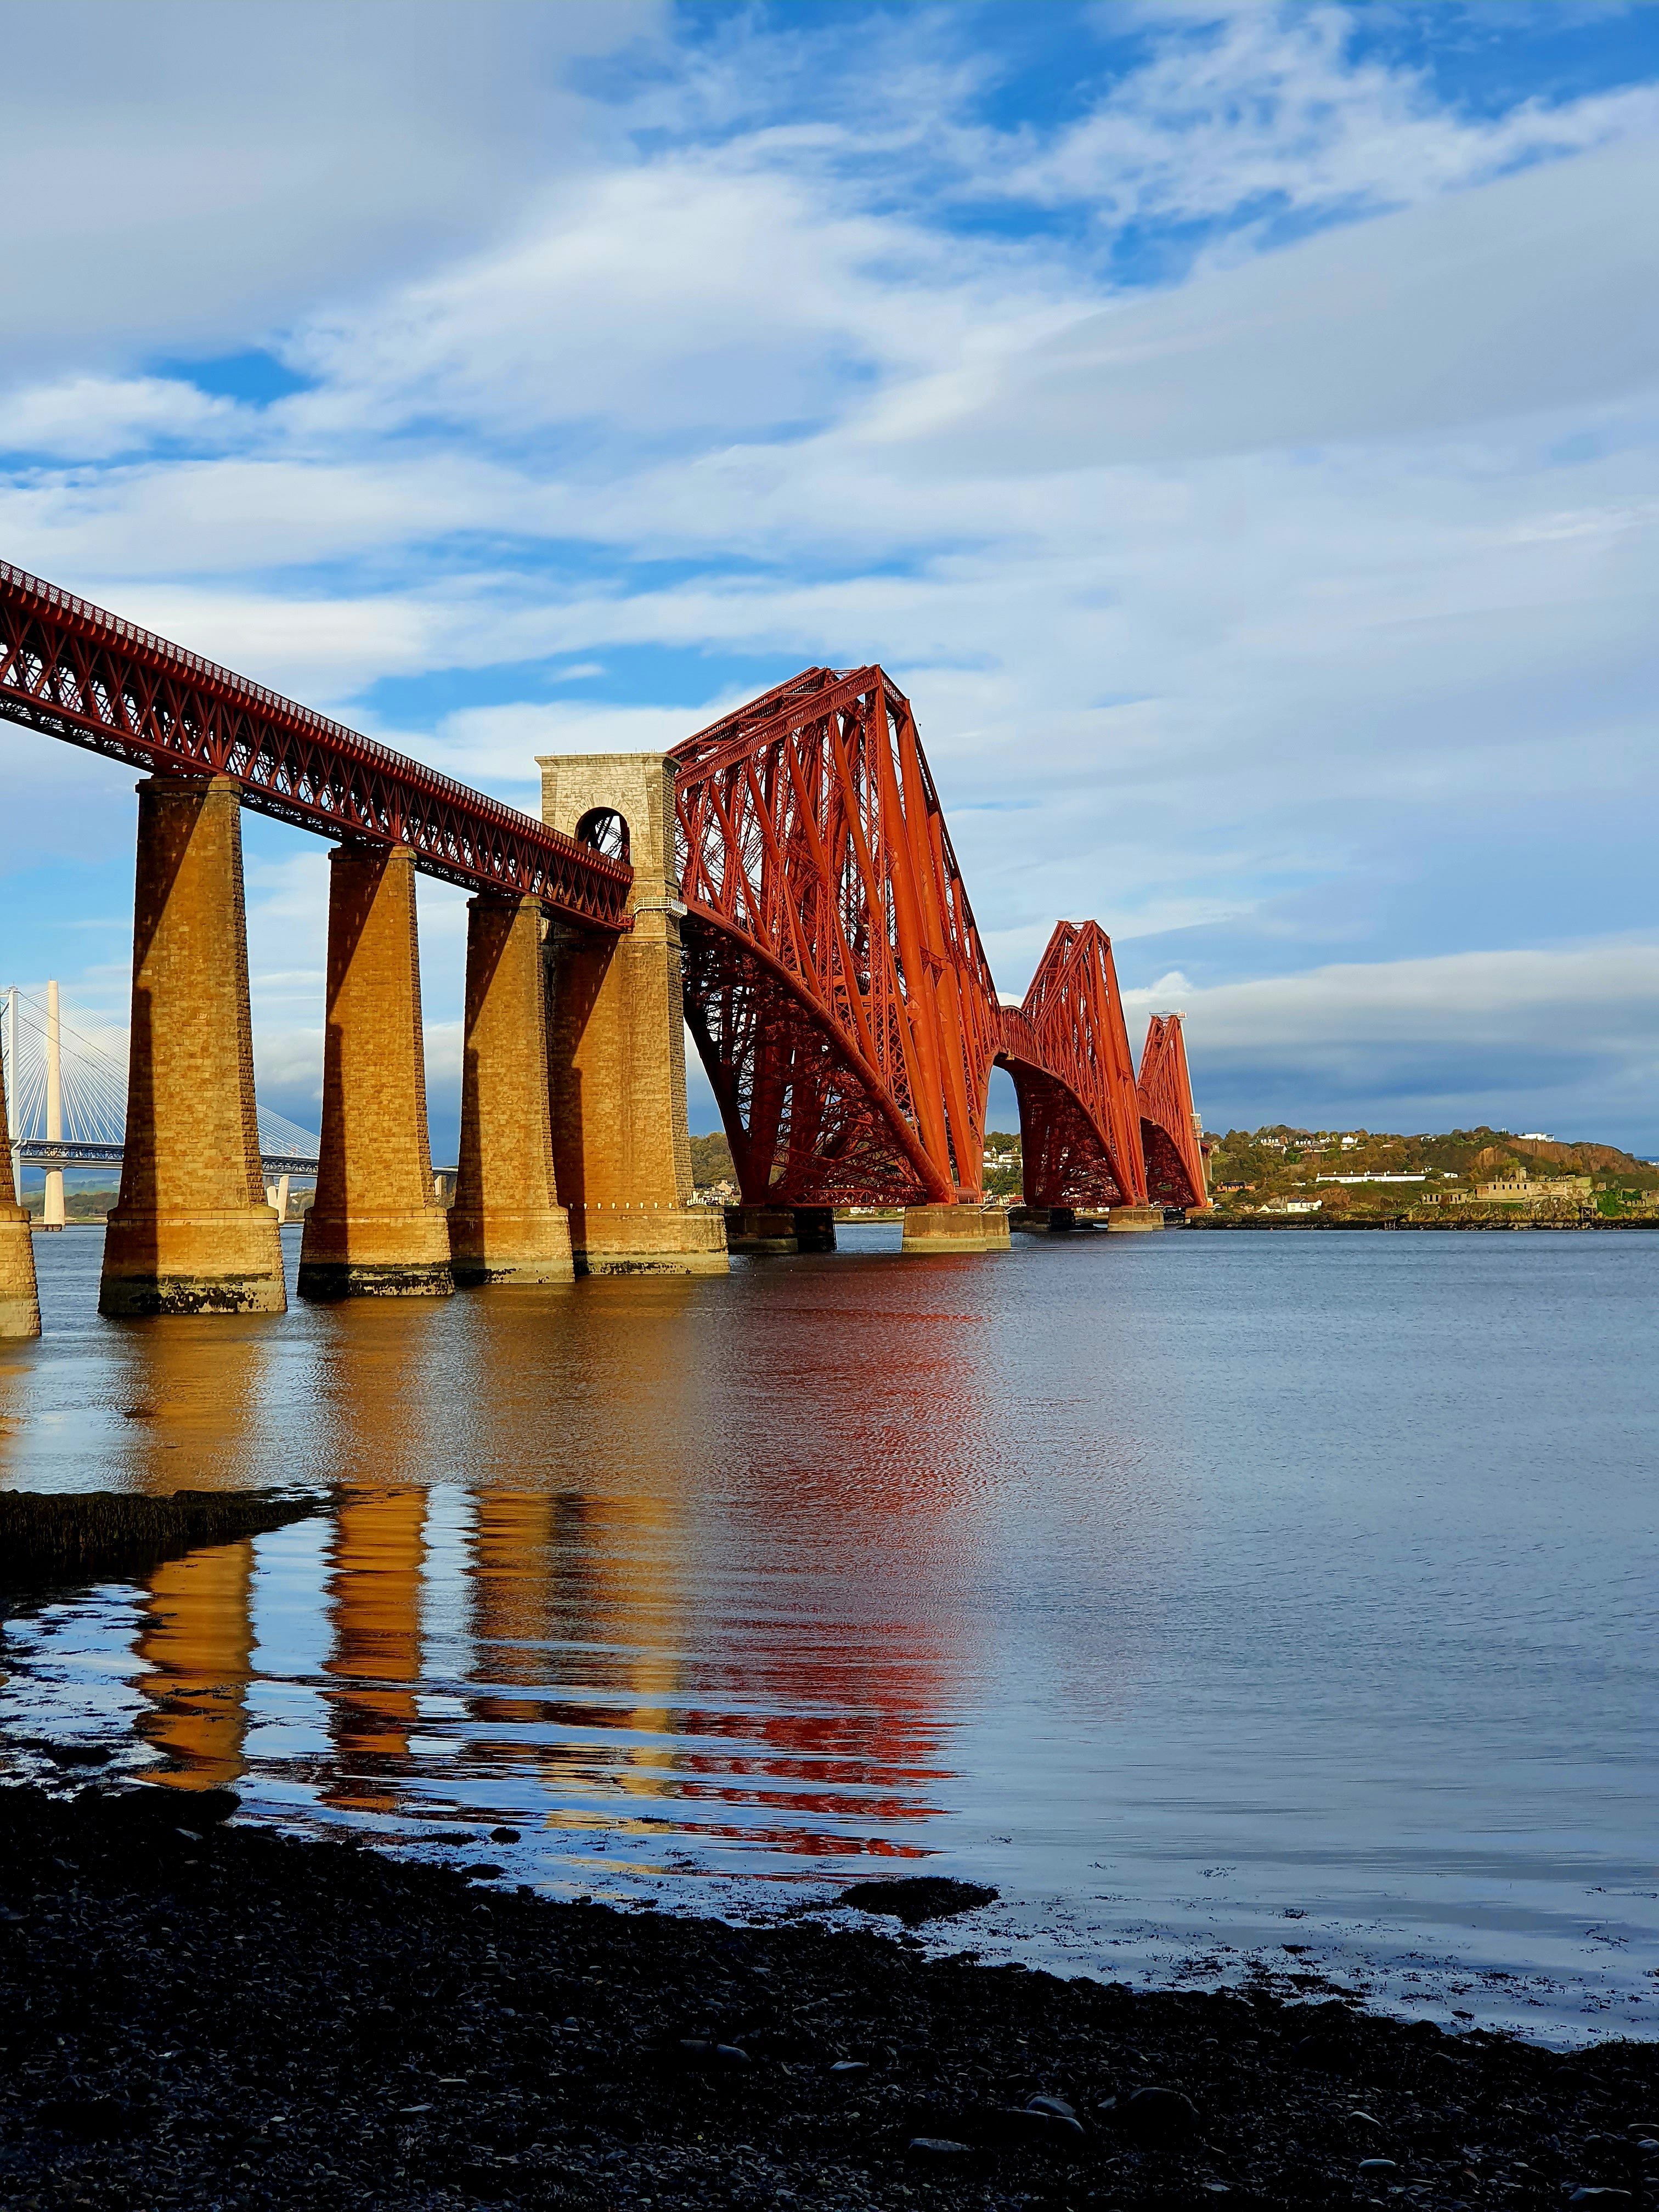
375	1229
955	1228
616	1039
1043	1220
761	1228
190	1231
1135	1217
20	1303
781	1228
507	1223
815	1228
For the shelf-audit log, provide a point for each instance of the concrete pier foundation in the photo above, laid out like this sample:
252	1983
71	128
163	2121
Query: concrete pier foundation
1042	1220
20	1302
815	1228
617	1036
761	1228
507	1223
781	1228
955	1228
1135	1217
374	1230
190	1231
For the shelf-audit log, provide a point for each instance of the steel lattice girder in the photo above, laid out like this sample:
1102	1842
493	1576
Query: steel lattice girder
84	675
835	983
1174	1160
1071	1030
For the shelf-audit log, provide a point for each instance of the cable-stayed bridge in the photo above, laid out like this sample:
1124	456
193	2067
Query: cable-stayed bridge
66	1093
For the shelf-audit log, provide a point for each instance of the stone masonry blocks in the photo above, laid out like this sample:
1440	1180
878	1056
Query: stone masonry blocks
507	1223
20	1303
375	1229
955	1228
617	1041
190	1231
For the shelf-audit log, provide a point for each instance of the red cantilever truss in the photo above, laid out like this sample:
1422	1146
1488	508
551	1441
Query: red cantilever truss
835	983
1169	1125
82	674
1067	1050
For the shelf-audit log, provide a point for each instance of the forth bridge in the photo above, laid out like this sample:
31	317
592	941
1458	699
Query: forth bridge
782	883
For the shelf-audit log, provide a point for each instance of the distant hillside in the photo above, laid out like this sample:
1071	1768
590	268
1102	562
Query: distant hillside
711	1161
1251	1170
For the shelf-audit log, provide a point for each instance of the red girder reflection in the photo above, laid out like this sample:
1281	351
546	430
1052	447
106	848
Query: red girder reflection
83	675
835	983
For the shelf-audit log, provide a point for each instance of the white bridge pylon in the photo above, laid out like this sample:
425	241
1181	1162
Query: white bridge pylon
66	1098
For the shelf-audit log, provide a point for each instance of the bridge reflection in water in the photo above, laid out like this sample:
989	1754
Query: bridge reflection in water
535	1658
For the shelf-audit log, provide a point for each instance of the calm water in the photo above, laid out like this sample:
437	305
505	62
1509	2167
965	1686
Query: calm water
1234	1604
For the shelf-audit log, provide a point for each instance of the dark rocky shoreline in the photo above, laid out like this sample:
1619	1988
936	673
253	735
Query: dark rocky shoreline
52	1540
192	2014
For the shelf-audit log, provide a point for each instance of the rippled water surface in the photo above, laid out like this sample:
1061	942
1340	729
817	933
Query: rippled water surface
1235	1604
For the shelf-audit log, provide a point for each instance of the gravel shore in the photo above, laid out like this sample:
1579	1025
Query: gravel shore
194	2014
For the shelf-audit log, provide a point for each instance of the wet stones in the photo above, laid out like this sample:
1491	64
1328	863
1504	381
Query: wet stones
919	1897
938	2151
1047	2123
701	2054
311	2025
1157	2115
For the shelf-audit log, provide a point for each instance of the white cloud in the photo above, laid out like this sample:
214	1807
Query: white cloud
197	175
1267	108
1580	999
91	417
497	745
1539	292
1534	1038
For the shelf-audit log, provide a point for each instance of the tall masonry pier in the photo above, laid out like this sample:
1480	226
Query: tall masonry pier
190	1231
506	1224
622	1155
375	1229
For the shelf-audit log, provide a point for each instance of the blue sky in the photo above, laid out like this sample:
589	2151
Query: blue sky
1236	426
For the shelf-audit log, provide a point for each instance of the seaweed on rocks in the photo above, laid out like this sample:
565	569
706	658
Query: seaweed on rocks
196	2013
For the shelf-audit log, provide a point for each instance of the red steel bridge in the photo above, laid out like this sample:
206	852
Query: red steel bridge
840	998
834	980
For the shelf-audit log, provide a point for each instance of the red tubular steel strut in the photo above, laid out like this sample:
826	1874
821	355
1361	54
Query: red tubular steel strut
83	675
836	986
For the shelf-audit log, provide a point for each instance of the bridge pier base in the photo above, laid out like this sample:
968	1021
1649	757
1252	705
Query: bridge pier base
375	1229
815	1228
190	1231
19	1301
1135	1217
761	1228
506	1224
955	1228
616	1038
1043	1220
